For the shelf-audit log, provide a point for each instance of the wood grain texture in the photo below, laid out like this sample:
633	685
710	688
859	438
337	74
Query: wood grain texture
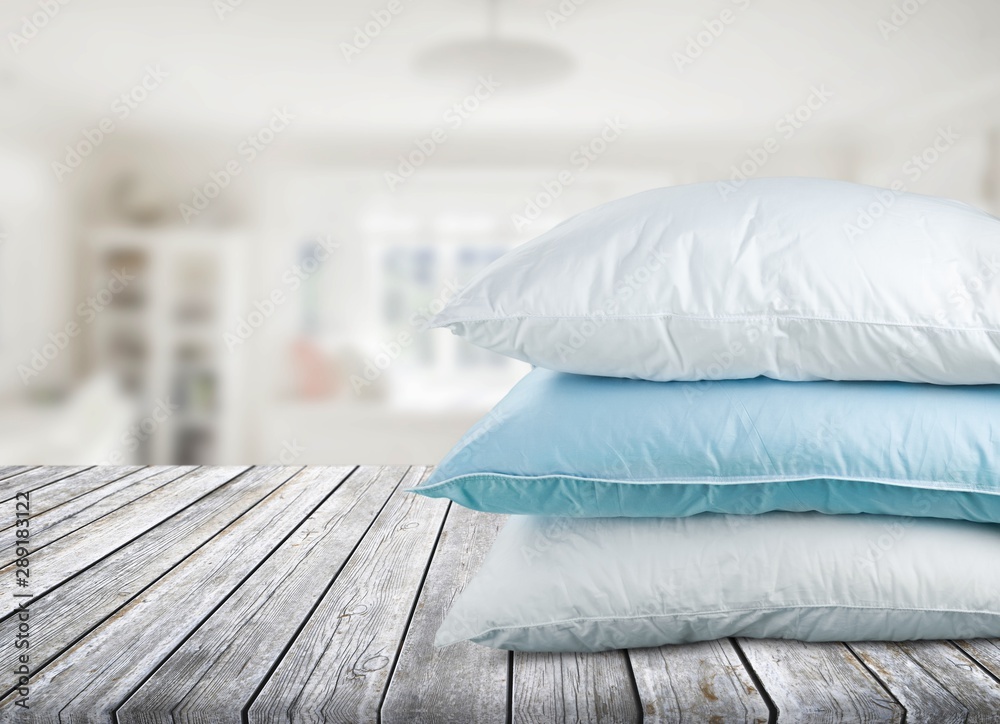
215	673
338	667
34	479
7	471
96	674
83	509
282	594
586	688
61	616
986	652
463	683
933	680
84	485
819	682
702	682
78	512
73	486
71	554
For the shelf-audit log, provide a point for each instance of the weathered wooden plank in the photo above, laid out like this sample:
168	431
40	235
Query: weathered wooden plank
818	682
215	673
73	486
985	651
64	519
338	667
702	682
67	494
34	479
78	605
96	674
924	699
573	688
69	555
8	471
978	690
84	484
464	683
933	680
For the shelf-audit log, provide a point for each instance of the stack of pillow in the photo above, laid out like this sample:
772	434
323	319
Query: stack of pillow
771	415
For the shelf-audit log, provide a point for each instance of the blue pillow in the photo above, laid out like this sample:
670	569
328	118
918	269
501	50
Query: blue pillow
572	445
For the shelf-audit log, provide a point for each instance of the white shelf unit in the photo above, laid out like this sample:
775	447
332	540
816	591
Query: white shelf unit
162	338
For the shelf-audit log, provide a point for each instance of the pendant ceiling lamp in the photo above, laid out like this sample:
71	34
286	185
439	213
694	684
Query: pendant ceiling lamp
514	62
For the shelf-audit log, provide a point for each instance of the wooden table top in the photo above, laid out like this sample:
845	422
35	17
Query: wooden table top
272	594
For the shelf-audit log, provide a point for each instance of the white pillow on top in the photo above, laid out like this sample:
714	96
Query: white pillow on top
791	278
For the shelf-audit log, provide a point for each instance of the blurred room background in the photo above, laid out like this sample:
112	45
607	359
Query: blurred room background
222	222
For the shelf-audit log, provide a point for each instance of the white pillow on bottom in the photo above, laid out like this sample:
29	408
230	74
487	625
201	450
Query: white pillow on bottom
594	584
